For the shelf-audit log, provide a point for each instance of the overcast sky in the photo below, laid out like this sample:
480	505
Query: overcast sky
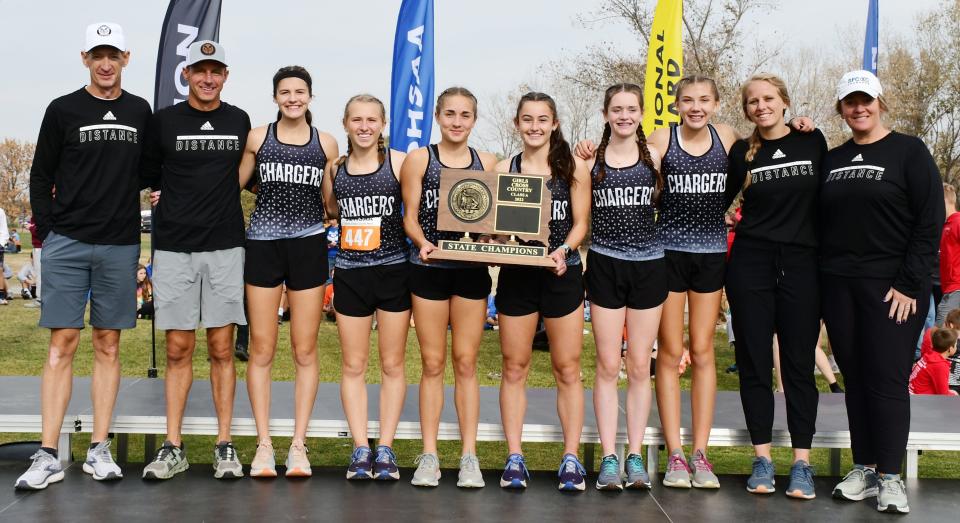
487	45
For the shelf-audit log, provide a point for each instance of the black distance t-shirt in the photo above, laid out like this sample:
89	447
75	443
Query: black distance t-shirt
193	157
89	149
780	204
881	211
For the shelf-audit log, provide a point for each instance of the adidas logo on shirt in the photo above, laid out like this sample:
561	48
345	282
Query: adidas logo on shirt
206	126
109	116
779	154
857	158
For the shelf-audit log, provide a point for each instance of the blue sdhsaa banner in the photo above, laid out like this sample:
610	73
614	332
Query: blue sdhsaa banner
186	22
411	84
664	66
871	42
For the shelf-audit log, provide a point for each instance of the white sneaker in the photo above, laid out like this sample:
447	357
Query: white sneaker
470	476
100	463
44	470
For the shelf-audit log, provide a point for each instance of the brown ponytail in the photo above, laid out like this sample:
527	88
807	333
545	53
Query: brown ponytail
641	139
559	155
381	144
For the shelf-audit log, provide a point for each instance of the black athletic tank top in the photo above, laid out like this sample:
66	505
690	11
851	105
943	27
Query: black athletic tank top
692	203
623	213
429	203
371	224
561	214
289	201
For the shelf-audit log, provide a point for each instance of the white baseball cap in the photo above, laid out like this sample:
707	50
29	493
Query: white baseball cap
206	50
859	81
104	33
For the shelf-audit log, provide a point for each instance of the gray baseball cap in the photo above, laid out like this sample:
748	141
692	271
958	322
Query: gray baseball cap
206	50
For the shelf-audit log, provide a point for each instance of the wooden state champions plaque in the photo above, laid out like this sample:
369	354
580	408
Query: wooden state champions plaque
505	204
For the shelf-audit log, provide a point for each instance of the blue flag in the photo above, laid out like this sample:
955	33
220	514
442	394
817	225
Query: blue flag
872	40
411	84
186	21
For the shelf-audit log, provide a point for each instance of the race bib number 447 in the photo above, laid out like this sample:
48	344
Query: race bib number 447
360	234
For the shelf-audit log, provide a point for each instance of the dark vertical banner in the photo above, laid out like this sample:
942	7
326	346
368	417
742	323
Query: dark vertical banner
871	42
411	85
186	21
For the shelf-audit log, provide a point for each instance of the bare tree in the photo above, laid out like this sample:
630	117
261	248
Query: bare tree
16	157
495	129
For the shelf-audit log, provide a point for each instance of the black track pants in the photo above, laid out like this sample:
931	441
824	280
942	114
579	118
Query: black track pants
773	288
875	355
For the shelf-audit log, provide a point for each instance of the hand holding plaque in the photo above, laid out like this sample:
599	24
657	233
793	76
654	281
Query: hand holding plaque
508	204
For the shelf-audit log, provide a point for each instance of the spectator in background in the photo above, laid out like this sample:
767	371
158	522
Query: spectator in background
4	237
949	256
930	373
333	245
15	241
144	293
491	323
328	309
37	244
28	280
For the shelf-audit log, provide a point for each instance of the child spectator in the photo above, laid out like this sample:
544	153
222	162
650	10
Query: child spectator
492	322
144	293
949	256
930	373
28	280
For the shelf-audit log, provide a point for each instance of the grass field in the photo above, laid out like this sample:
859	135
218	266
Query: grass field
23	348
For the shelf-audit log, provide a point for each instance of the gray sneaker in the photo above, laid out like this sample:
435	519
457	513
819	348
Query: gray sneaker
637	477
100	463
44	470
470	476
170	460
678	473
892	495
859	484
226	464
428	471
609	477
703	476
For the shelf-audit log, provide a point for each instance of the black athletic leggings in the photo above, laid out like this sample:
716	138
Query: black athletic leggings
773	288
875	355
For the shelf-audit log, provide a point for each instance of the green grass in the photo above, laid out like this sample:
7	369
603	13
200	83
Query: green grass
24	348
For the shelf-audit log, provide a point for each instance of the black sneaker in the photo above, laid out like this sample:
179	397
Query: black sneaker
241	352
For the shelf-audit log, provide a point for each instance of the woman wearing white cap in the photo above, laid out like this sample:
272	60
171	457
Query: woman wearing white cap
881	215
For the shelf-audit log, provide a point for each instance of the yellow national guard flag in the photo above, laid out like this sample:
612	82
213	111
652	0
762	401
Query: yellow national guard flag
664	66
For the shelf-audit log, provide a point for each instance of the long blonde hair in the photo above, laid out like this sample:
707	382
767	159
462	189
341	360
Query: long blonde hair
754	139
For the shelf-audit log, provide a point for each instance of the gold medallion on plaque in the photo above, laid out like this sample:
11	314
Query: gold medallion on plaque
469	200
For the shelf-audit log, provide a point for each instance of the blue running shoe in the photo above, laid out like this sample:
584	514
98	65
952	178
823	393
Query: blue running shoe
761	480
515	473
637	477
361	464
385	466
609	477
801	481
571	473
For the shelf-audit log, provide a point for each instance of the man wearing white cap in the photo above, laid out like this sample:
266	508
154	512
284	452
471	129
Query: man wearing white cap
88	152
193	155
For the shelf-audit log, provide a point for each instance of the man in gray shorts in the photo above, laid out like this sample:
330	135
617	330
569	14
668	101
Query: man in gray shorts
88	153
193	156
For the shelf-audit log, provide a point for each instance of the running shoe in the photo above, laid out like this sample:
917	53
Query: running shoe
609	476
761	481
44	470
226	464
385	466
571	473
470	476
361	464
678	472
801	481
859	484
428	471
703	476
298	464
100	463
170	460
892	495
515	473
637	477
264	464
